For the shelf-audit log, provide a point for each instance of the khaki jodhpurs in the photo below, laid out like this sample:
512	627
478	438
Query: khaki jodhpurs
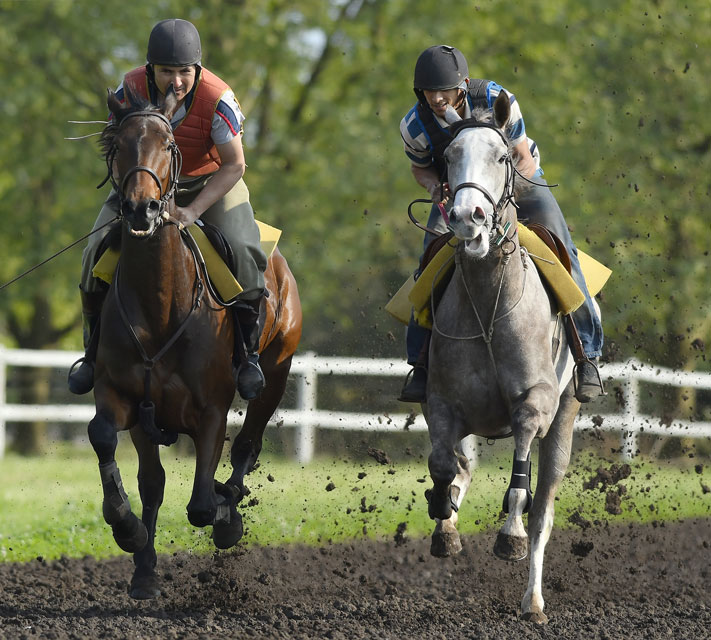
233	215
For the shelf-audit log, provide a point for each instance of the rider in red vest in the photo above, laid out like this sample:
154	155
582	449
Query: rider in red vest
208	130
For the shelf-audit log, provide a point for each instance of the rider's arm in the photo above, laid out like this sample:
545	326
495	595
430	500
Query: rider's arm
231	169
523	159
428	178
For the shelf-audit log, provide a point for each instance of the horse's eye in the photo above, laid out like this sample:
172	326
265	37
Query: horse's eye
502	159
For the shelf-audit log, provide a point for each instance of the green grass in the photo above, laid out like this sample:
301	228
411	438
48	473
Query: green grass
51	506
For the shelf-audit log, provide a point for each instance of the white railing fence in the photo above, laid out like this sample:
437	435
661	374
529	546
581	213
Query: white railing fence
306	417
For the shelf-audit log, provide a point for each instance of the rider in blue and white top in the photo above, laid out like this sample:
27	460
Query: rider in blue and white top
442	81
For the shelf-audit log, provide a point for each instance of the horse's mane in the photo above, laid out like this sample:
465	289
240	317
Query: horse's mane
135	103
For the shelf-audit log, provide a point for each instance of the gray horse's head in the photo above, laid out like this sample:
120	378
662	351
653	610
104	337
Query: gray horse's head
480	175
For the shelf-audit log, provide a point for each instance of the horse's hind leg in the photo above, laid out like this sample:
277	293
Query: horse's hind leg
445	538
553	459
530	418
212	503
151	484
248	443
129	532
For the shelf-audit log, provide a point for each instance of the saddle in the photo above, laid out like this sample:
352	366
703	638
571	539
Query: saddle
415	294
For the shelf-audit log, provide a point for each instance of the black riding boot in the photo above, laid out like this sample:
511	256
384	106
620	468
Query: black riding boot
415	389
81	380
588	384
247	372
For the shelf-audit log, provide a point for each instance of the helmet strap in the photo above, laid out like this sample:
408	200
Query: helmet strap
460	102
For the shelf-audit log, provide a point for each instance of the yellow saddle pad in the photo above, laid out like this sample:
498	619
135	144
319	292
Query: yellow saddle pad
414	295
220	274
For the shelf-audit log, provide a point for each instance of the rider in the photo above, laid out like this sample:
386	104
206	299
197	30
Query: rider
441	79
208	130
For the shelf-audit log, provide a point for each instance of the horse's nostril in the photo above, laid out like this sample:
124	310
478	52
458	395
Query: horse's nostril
153	206
478	216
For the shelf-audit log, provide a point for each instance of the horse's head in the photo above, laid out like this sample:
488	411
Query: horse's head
143	159
480	174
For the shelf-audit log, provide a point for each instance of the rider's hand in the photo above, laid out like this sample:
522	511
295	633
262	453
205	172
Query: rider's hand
439	192
184	215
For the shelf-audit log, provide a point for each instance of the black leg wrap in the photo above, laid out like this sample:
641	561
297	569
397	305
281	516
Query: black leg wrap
442	506
116	506
520	479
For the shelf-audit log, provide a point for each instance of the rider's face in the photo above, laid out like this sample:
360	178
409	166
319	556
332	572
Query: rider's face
438	100
182	79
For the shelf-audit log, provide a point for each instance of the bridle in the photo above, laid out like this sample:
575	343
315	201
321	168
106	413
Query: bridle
507	195
176	164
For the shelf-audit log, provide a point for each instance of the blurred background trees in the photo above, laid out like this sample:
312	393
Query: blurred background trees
615	94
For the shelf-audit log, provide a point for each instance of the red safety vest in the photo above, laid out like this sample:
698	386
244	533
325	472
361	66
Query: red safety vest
192	135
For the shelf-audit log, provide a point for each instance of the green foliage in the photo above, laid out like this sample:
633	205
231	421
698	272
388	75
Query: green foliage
614	93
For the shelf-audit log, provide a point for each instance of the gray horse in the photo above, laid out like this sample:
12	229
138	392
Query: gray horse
499	362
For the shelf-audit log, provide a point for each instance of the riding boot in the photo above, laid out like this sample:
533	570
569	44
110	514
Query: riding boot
81	380
415	389
247	373
588	383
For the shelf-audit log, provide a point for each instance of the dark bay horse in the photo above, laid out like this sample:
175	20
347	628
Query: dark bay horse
164	361
499	362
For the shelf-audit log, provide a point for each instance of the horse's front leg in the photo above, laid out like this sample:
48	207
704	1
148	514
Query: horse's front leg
151	484
553	459
129	532
445	538
529	417
444	431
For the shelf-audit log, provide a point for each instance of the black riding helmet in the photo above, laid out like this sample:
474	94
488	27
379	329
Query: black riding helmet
440	67
175	43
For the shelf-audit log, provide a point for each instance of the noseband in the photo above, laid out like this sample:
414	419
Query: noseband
508	193
176	164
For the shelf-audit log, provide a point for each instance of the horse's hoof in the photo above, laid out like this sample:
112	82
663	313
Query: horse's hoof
130	534
145	587
510	547
445	544
227	534
537	617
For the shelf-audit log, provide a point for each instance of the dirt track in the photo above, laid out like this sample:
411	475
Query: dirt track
635	582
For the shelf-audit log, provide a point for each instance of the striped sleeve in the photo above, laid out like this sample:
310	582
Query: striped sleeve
416	144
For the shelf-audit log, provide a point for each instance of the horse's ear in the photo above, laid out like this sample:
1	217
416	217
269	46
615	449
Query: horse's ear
171	102
502	109
114	104
130	94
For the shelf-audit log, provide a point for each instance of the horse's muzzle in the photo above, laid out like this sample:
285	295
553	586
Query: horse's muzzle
462	214
142	218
